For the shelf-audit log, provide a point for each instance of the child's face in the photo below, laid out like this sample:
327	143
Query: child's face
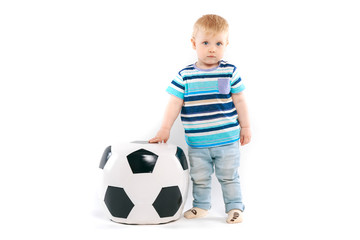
210	48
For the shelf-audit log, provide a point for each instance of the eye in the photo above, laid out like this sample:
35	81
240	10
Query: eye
206	43
219	44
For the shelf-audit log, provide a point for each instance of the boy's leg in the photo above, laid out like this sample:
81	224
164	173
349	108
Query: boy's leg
201	168
227	162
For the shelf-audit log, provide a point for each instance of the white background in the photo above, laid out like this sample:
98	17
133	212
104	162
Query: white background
77	76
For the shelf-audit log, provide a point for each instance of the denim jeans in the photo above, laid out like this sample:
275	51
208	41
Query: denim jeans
226	160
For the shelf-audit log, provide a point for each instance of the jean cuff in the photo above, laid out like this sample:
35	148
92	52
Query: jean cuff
231	206
202	206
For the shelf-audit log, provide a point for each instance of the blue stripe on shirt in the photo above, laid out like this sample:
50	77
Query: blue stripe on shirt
208	108
223	75
177	85
211	129
208	117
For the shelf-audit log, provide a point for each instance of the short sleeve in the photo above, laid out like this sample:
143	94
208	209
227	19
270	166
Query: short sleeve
236	83
177	87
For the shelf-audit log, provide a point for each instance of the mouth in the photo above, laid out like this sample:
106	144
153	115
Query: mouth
211	56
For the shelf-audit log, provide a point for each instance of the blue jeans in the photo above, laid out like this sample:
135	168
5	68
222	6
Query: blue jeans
226	160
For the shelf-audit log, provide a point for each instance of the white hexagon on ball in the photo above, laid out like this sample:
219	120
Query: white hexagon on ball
144	183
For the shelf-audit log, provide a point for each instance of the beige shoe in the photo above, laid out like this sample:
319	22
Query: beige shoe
195	213
234	216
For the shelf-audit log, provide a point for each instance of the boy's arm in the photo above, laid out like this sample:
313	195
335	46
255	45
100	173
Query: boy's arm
172	111
241	108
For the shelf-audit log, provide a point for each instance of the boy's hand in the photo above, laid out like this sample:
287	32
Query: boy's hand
245	136
161	136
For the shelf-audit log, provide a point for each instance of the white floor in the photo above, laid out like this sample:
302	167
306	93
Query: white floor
59	200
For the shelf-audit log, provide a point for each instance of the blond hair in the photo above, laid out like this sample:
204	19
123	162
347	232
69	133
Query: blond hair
212	24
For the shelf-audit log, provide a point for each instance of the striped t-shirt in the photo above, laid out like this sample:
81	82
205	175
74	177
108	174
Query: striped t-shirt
209	115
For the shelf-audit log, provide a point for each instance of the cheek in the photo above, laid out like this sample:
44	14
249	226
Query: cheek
200	51
221	51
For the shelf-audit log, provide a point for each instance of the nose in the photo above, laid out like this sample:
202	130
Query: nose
212	49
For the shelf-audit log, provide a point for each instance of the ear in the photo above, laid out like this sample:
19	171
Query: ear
193	43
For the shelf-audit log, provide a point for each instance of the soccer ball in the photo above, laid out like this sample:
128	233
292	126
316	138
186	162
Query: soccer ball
144	183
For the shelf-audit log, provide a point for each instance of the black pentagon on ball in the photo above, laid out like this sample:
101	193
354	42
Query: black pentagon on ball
142	161
105	157
118	202
182	158
168	201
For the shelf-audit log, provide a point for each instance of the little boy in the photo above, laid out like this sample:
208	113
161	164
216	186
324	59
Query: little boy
209	95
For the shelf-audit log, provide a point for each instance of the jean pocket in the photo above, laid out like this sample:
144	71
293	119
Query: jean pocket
224	85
